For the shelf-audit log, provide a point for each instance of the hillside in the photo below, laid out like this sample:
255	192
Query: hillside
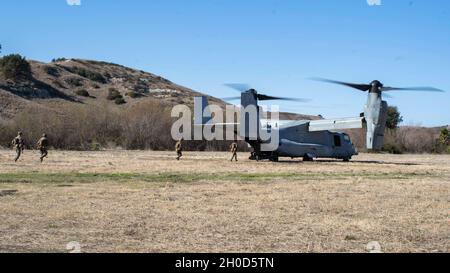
55	85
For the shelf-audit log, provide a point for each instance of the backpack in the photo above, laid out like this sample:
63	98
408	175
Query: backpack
44	142
15	142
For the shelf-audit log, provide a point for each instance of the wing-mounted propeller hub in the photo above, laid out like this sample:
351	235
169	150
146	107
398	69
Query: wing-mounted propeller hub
251	91
376	86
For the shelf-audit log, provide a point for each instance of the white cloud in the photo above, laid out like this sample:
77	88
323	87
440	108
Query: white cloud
73	2
374	2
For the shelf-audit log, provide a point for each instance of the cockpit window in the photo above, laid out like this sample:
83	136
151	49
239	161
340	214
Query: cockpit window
347	138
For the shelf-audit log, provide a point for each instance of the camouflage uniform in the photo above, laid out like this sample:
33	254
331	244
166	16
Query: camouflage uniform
233	150
19	144
42	145
179	149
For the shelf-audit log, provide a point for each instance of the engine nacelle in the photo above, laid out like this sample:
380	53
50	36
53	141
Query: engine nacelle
375	114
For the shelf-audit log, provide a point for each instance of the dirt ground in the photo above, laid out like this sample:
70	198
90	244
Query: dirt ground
126	201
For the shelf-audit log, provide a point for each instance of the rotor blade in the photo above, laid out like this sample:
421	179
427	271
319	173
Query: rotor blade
265	97
419	89
231	98
241	87
362	87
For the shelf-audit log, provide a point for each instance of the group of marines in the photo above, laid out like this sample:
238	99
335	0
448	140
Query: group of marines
42	145
19	144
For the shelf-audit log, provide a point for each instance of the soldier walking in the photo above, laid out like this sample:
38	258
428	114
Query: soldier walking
233	150
19	144
179	148
42	145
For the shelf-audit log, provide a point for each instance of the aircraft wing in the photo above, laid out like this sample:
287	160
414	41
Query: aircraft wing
336	124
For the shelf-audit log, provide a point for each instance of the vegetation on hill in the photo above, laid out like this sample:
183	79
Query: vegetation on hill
134	95
74	81
89	74
83	93
15	67
57	60
119	100
113	94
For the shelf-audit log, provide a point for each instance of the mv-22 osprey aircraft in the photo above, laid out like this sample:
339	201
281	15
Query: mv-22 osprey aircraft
304	138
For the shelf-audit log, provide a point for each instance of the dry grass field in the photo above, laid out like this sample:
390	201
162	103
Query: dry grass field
124	201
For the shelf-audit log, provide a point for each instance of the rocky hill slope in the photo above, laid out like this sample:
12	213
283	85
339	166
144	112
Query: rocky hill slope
54	85
92	83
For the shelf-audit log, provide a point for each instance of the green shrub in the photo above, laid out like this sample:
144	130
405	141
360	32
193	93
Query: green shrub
74	81
95	146
51	70
134	95
120	100
392	148
113	94
56	60
15	67
82	93
141	88
85	73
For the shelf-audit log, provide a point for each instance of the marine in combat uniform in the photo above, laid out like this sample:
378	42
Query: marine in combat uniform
19	144
179	149
233	150
42	145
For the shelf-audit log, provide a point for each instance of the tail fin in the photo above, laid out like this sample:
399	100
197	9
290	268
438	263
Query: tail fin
249	125
250	116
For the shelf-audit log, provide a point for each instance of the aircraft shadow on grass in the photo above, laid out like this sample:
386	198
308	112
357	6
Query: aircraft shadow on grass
354	161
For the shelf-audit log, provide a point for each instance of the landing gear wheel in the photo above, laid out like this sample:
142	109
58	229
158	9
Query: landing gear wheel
347	159
308	158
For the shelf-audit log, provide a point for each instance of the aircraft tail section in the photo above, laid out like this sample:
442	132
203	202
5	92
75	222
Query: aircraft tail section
250	116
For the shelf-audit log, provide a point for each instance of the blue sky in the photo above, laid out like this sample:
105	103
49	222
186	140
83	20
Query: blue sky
274	45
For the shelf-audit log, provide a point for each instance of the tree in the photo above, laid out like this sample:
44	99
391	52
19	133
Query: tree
394	118
15	67
444	137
